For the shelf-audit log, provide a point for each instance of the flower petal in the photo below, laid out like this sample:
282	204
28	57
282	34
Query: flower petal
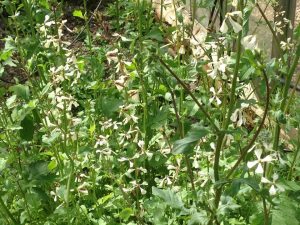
265	180
259	169
258	153
268	158
251	164
272	190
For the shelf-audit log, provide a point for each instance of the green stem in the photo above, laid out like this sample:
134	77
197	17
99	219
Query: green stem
69	183
118	14
244	151
266	213
293	93
202	109
6	211
227	118
145	109
284	96
295	157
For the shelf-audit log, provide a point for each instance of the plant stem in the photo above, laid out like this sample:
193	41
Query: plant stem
202	109
227	118
6	211
266	213
118	14
181	133
295	157
293	93
284	96
244	151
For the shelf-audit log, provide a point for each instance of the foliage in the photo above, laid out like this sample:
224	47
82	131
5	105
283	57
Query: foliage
110	128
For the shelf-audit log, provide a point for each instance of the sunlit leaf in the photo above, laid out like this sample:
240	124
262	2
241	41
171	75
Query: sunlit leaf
78	13
126	213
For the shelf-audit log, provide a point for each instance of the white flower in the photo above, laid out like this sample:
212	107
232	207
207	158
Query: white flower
287	45
215	97
259	161
218	65
273	188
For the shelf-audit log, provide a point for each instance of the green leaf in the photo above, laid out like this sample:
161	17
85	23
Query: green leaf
27	130
78	13
155	34
198	219
160	119
21	91
52	165
286	213
169	197
185	145
38	170
126	213
289	185
105	198
10	101
236	184
2	164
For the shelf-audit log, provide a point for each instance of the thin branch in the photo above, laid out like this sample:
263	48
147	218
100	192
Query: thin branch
216	128
244	151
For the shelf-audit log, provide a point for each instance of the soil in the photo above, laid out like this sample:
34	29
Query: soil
73	26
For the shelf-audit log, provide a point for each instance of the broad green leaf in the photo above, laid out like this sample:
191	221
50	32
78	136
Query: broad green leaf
185	145
236	184
78	13
155	34
126	213
10	101
52	165
289	185
198	219
286	213
27	128
227	205
44	3
21	91
160	119
38	170
169	197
